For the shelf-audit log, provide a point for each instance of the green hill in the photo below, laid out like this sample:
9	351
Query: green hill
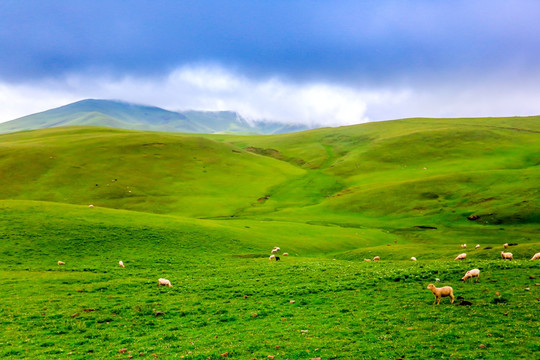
205	210
392	176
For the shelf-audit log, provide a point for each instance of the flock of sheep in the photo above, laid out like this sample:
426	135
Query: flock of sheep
447	291
273	255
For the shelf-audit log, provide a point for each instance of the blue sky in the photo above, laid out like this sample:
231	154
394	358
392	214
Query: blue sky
314	62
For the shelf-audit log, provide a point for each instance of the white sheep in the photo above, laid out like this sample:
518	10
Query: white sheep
441	292
164	282
470	274
61	263
505	245
376	258
274	251
367	259
90	206
463	246
277	248
536	256
461	257
477	246
121	263
413	259
285	254
272	257
507	255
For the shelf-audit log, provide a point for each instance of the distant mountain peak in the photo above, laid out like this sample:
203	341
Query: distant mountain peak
120	114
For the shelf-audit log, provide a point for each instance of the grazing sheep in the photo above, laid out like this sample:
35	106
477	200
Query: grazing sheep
272	257
463	246
274	251
164	282
470	274
507	255
505	245
367	259
277	258
90	206
285	254
536	256
461	256
477	246
121	263
413	259
277	248
441	292
376	258
61	263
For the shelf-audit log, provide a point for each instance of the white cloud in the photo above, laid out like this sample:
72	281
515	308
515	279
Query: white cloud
315	103
200	88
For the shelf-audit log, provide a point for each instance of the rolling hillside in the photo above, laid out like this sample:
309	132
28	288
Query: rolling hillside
123	115
400	177
204	211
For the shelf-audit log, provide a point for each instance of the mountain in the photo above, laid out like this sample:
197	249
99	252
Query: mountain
124	115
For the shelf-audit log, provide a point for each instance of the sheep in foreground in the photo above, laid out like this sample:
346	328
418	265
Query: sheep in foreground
470	274
536	256
376	258
507	255
164	282
413	259
121	263
461	257
441	292
61	263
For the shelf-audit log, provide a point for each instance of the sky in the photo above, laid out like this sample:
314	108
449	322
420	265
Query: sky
311	62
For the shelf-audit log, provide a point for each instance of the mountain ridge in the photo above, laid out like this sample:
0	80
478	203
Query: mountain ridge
125	115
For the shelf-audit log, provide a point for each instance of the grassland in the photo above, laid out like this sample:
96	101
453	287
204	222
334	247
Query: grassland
204	211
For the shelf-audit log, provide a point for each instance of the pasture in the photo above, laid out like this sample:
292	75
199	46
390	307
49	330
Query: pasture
204	211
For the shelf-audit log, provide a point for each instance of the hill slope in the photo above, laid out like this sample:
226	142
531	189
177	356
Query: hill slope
398	174
123	115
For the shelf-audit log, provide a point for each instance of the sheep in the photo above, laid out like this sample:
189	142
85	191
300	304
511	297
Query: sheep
277	258
470	274
61	263
90	206
413	259
461	256
463	246
376	258
505	245
277	248
441	292
367	259
121	263
536	256
507	255
477	246
274	251
272	257
164	282
285	254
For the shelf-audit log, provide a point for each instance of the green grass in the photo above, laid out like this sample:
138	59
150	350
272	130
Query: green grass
204	212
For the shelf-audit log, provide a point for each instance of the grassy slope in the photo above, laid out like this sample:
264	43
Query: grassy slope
342	193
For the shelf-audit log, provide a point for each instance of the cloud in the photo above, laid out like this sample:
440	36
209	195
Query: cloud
203	87
312	103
